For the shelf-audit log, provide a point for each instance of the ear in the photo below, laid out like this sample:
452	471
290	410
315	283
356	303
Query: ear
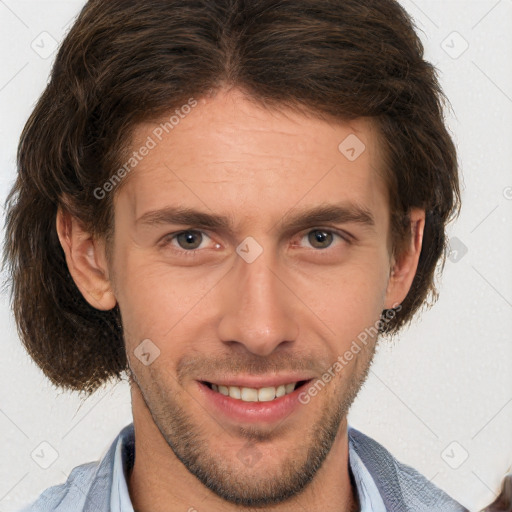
86	260
404	265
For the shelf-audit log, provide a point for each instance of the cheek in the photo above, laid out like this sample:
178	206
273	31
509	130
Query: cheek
157	301
349	299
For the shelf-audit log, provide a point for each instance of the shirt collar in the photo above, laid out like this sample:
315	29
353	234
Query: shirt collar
369	497
124	457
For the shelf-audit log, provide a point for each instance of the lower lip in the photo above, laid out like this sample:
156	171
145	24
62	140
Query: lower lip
251	412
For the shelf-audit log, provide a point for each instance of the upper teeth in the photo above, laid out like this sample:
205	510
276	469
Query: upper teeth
253	394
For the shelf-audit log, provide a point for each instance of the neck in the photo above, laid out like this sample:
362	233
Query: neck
159	482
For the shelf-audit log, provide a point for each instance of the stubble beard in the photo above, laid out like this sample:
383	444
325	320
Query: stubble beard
252	489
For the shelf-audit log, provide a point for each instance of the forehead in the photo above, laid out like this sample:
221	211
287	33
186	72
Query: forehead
228	153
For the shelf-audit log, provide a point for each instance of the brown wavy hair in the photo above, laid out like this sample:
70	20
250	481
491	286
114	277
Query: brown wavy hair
128	61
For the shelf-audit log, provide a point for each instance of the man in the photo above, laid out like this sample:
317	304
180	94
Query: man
230	201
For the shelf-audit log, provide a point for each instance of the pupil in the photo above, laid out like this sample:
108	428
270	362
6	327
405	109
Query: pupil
188	239
319	238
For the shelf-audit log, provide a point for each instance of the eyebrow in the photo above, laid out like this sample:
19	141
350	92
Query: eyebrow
342	213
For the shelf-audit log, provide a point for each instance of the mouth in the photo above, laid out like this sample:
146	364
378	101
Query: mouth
252	399
262	394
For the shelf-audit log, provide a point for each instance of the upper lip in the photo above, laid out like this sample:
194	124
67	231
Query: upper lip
257	381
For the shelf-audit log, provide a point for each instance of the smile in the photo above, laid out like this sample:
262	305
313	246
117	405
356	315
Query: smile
264	394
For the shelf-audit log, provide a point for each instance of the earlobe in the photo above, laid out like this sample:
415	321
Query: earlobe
405	265
85	257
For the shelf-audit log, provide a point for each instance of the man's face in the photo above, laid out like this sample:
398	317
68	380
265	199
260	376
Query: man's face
279	310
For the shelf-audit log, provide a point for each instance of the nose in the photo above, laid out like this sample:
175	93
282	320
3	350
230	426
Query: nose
259	310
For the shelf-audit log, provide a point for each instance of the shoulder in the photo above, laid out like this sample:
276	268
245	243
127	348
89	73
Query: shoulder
88	486
70	495
402	487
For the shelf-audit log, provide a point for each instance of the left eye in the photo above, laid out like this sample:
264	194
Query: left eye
320	238
189	240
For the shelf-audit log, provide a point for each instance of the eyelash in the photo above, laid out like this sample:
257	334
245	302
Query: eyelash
167	239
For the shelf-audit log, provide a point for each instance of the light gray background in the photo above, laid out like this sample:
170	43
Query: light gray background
440	397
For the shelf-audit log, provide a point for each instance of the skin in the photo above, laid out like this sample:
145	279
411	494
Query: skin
297	307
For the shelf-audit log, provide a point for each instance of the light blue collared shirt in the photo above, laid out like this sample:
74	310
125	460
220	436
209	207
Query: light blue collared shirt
383	483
